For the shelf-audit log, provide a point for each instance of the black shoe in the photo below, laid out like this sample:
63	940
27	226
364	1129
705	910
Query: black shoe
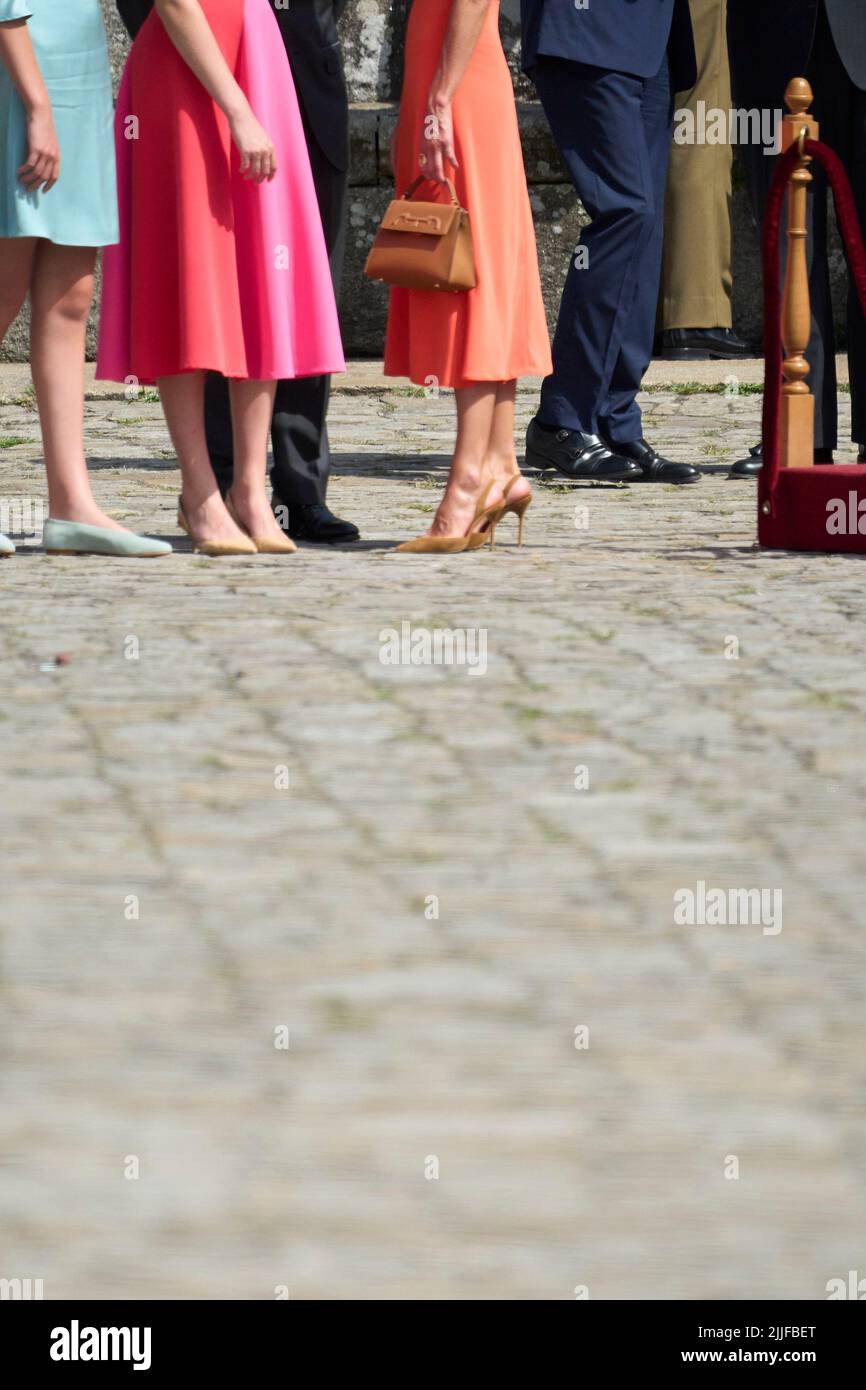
654	468
748	467
314	522
576	455
751	466
701	345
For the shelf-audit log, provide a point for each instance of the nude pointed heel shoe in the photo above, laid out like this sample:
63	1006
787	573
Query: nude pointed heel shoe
520	507
240	547
481	529
265	545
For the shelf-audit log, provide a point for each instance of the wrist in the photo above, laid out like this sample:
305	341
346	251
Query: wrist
236	109
37	105
438	101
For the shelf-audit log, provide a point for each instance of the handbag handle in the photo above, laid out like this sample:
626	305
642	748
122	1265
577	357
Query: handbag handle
421	178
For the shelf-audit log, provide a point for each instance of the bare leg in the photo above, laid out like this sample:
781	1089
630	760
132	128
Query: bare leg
252	411
501	456
16	271
16	264
183	403
61	289
475	408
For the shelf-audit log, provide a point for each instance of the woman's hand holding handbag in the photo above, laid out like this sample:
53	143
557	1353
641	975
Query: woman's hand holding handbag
424	246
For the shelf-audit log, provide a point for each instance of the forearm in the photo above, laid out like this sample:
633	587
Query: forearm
465	23
17	56
185	23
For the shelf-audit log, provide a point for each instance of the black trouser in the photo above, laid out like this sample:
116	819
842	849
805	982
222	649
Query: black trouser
840	108
299	433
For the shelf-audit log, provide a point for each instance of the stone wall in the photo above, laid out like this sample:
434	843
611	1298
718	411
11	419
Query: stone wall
372	33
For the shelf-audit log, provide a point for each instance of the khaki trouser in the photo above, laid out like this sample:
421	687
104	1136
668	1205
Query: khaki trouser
696	266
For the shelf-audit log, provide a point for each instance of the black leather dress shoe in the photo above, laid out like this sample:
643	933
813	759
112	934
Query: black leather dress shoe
576	455
751	466
654	468
748	467
701	345
314	522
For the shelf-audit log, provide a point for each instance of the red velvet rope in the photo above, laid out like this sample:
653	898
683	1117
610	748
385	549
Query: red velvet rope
849	226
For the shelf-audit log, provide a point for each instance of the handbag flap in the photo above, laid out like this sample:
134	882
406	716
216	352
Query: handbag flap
425	219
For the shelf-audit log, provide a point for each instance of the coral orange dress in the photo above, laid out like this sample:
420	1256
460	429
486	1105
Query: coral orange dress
213	271
497	331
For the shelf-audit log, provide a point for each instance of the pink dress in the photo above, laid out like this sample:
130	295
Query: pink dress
214	272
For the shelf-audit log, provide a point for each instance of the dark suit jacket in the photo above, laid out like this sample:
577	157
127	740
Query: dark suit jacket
770	42
620	35
309	30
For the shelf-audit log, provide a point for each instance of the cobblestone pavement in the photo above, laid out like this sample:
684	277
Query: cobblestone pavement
436	1127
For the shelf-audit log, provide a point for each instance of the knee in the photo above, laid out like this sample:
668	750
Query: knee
627	221
638	213
73	305
64	308
11	304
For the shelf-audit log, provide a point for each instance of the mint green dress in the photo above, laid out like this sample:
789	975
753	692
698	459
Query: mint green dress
69	40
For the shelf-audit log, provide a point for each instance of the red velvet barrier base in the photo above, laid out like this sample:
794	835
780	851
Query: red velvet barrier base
818	508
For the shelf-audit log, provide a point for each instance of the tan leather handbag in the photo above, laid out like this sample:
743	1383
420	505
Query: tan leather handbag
424	246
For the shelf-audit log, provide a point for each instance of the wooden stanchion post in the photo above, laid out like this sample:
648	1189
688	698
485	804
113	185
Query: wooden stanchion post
797	422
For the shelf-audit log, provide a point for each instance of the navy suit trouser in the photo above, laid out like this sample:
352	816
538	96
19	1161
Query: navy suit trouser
614	132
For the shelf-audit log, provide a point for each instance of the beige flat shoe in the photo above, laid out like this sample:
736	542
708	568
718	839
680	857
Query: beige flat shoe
240	547
265	545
